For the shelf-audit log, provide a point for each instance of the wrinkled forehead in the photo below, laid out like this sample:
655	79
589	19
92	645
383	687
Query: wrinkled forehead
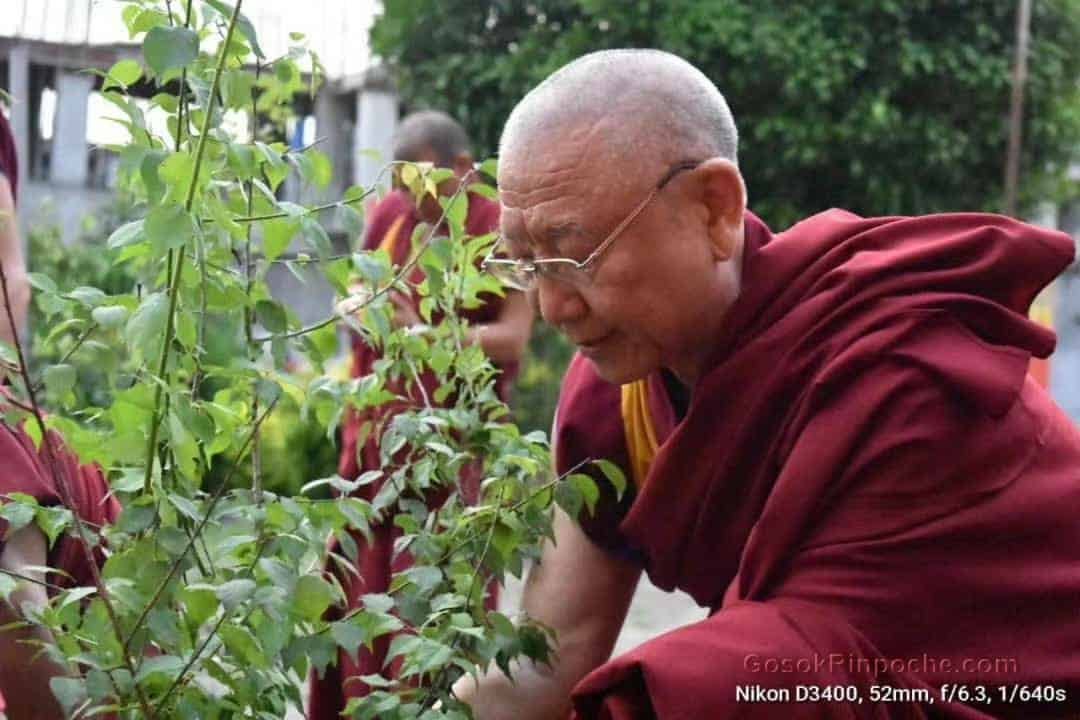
574	173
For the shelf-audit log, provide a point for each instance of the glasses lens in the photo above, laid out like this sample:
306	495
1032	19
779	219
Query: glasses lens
565	271
512	274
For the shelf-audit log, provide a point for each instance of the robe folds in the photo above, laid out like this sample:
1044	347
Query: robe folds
867	489
390	226
24	469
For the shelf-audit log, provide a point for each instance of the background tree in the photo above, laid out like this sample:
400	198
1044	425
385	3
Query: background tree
883	108
887	107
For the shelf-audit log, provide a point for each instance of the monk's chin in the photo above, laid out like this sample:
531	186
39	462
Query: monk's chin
615	372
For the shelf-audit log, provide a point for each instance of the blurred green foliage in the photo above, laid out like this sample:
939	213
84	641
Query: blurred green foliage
293	447
537	390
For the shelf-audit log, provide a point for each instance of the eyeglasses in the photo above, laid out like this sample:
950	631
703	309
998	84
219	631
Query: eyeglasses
523	274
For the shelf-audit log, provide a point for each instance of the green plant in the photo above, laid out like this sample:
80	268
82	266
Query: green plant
212	601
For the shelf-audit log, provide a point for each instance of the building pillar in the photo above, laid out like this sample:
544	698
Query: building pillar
376	120
332	127
19	88
70	152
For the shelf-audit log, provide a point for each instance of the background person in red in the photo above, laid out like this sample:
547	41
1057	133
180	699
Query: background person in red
848	458
24	672
11	252
501	327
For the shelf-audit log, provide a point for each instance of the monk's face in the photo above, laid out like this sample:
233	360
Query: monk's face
660	291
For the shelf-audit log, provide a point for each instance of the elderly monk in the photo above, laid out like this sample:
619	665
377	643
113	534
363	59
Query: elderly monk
835	445
501	326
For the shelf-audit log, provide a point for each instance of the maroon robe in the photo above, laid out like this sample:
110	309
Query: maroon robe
26	470
377	563
866	489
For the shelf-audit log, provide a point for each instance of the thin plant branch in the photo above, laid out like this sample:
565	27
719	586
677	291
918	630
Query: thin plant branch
65	491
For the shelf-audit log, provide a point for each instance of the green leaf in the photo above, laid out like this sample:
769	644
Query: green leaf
89	296
140	20
277	235
614	474
7	586
124	73
241	643
377	602
166	666
484	190
271	315
568	497
53	521
235	592
349	636
170	48
425	577
18	516
145	329
242	160
586	487
169	227
127	234
236	89
316	236
456	208
42	282
242	24
138	516
312	597
201	602
110	317
59	379
70	692
352	220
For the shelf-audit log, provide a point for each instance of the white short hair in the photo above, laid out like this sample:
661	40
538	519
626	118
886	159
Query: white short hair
669	107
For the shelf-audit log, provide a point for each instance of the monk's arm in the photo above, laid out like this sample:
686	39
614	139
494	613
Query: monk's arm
24	673
584	594
11	257
505	339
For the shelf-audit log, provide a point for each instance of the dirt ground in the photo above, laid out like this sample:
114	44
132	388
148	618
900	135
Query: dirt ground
652	613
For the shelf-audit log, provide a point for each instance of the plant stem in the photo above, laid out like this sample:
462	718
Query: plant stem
197	532
401	274
174	282
252	348
64	490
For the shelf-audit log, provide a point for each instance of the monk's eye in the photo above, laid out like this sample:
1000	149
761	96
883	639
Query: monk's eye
516	250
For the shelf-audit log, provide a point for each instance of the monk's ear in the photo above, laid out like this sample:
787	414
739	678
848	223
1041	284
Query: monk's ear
723	193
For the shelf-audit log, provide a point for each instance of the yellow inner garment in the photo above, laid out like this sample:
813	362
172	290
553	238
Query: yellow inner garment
390	238
640	433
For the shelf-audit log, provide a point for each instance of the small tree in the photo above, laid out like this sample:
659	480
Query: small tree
211	602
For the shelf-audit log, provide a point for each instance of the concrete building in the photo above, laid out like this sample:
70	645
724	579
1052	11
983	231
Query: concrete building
58	115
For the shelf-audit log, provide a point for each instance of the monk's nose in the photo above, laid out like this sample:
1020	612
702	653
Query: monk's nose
560	304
